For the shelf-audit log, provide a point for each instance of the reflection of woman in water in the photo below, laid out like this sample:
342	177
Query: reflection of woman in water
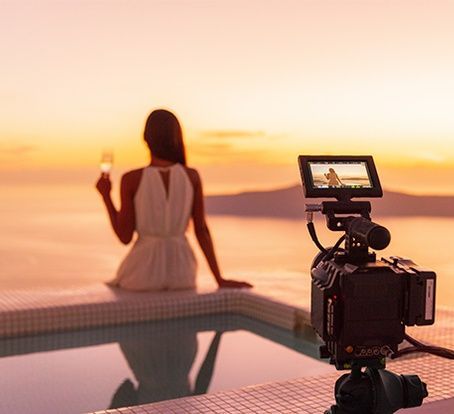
161	365
333	179
157	202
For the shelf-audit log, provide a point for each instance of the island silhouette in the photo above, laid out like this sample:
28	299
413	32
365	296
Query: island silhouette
289	203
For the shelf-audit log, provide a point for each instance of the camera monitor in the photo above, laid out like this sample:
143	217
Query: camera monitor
341	177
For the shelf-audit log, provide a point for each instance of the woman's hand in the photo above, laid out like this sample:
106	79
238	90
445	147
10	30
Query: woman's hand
226	283
104	185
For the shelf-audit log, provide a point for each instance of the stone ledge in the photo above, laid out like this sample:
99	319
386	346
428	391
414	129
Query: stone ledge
29	313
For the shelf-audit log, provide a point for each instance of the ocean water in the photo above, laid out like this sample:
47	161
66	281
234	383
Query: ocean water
61	237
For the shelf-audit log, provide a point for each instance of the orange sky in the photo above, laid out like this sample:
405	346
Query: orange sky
254	83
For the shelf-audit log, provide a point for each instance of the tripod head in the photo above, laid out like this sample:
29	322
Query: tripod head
376	391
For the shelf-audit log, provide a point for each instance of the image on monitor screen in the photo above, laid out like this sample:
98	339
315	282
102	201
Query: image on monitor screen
340	174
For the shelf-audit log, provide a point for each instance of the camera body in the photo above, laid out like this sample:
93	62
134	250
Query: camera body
359	305
361	310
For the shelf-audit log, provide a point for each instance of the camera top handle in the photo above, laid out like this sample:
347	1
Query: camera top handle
340	223
360	232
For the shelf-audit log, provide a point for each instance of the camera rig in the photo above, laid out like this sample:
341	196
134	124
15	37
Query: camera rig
360	305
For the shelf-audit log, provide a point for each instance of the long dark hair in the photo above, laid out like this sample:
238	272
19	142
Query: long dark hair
164	136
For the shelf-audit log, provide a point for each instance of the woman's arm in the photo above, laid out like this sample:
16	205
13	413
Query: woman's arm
206	370
204	237
122	221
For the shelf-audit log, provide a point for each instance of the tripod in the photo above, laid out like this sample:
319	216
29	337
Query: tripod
376	391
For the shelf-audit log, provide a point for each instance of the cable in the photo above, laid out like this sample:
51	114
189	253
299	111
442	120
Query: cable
412	340
312	232
334	249
327	254
420	347
436	350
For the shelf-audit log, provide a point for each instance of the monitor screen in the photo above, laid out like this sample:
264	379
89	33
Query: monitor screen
342	174
339	176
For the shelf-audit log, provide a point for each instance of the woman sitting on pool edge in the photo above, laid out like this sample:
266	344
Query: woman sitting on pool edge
157	202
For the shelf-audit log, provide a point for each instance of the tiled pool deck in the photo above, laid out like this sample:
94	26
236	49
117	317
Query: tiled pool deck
24	313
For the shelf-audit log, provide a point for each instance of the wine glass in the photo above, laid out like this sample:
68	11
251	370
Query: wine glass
106	163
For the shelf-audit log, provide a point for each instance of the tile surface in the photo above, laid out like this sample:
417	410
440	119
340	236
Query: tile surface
303	396
35	312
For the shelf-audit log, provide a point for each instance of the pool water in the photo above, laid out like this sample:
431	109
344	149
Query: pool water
85	371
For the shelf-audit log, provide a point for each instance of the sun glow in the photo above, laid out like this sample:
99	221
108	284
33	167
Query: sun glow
330	78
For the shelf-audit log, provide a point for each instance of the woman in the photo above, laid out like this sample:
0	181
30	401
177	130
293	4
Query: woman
157	202
333	178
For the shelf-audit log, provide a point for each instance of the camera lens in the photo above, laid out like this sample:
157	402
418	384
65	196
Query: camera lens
373	235
378	238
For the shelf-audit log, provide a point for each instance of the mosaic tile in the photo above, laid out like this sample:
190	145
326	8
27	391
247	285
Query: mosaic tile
308	395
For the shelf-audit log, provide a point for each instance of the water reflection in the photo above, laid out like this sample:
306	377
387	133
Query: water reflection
147	362
161	367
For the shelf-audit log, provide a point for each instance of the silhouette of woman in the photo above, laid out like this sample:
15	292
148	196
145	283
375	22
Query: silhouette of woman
333	179
157	202
161	366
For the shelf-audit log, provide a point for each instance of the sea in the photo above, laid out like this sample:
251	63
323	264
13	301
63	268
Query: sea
54	237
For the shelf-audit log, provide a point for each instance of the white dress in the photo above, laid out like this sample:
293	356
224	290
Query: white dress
161	257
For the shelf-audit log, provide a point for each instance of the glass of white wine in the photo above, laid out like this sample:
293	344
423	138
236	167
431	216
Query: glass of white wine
106	163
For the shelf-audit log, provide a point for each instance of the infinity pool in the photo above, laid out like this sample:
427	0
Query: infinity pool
90	370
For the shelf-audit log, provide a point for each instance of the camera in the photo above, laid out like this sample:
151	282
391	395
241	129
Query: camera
360	305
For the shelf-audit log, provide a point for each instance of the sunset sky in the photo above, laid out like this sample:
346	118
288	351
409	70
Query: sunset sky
254	83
